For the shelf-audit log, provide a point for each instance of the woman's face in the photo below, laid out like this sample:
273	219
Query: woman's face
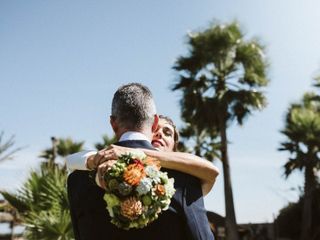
163	137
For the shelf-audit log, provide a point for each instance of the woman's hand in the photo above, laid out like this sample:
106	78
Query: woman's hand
110	153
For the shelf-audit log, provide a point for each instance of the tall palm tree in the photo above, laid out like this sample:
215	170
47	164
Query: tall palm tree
220	79
42	202
302	131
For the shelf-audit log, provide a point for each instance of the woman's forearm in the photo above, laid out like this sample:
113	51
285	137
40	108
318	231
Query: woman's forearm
188	163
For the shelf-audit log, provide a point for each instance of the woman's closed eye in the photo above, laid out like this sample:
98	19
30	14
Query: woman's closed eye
167	132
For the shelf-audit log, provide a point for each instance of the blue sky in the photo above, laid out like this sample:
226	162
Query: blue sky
61	61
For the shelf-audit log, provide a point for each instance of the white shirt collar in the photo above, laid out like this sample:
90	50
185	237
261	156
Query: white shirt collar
131	135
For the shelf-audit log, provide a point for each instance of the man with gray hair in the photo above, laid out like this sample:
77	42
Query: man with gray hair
133	120
134	107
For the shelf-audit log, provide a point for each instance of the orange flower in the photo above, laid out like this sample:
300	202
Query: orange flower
131	208
160	190
134	173
149	161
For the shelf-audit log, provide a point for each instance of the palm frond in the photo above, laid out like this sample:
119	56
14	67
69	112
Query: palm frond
7	149
302	131
106	141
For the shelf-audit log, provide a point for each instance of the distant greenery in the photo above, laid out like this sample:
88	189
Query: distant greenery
42	202
289	221
106	141
302	142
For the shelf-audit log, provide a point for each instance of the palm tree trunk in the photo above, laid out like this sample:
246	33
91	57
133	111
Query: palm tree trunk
307	204
54	151
230	222
12	230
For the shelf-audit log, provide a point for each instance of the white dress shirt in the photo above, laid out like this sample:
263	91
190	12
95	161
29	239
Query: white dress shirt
77	161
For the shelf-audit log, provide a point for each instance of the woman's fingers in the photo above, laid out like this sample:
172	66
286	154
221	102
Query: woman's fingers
98	158
102	169
111	146
104	155
100	172
117	150
100	181
110	154
101	157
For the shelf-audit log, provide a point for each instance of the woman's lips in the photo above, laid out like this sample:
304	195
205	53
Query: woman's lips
156	143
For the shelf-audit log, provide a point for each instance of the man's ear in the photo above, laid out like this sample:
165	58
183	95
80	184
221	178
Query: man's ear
155	123
113	123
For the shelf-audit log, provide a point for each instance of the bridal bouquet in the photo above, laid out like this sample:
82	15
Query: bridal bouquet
136	190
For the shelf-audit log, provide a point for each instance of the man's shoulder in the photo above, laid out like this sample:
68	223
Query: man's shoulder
79	173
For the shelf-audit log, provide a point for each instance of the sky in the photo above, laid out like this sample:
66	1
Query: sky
61	61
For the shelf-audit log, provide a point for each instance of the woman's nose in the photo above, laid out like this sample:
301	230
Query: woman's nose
158	134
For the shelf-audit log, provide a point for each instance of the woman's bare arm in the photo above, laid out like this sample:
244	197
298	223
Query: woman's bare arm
188	163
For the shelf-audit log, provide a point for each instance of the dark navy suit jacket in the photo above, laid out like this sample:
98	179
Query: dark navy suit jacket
185	219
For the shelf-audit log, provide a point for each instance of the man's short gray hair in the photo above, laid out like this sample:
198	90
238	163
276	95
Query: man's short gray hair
133	106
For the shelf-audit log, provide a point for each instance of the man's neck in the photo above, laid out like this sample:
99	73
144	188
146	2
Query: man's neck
141	134
133	135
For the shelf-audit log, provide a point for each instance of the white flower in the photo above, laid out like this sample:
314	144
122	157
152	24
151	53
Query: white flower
153	173
144	186
135	153
169	186
163	176
165	203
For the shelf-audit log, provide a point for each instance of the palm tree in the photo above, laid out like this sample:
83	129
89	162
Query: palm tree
61	147
204	145
302	131
220	80
106	141
42	202
6	148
